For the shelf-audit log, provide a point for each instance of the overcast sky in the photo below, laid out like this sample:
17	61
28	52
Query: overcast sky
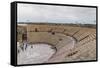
55	14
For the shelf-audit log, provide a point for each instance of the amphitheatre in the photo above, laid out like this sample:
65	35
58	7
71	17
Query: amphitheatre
55	43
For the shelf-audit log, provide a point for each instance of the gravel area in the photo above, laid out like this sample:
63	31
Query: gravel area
36	53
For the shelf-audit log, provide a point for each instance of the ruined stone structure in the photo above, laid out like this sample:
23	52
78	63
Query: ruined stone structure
73	43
